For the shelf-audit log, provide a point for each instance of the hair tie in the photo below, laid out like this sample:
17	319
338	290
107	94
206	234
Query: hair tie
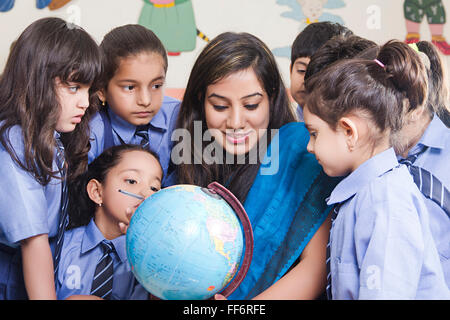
414	47
379	63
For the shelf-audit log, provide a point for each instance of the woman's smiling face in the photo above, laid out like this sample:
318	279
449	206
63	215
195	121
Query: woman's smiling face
237	111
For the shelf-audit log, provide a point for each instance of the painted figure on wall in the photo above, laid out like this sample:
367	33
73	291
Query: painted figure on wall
173	22
306	12
6	5
414	12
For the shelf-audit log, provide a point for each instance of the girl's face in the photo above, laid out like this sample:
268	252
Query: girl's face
136	93
329	146
237	108
74	100
137	172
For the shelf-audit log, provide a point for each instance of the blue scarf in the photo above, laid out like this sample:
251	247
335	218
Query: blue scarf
285	209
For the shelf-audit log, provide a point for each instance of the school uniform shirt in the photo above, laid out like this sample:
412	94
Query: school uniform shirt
436	159
160	131
27	209
80	254
381	243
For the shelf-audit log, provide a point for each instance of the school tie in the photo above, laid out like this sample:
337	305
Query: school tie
103	276
333	217
64	218
430	186
142	131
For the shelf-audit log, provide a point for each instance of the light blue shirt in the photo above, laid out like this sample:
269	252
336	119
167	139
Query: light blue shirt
160	132
79	257
27	208
436	159
381	243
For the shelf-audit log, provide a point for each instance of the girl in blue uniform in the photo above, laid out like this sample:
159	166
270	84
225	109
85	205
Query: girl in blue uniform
136	110
99	209
44	100
426	138
380	240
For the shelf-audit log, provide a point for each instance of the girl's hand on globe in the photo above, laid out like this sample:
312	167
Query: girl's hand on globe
218	296
123	226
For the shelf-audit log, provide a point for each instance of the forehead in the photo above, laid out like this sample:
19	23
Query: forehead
237	84
138	160
145	65
302	61
311	120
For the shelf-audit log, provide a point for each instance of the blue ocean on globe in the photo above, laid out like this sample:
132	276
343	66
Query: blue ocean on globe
184	243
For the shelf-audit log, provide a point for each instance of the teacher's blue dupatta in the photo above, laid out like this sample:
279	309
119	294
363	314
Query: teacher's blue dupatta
285	208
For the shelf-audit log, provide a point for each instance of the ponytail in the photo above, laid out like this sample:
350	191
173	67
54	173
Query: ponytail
385	86
406	72
438	94
81	207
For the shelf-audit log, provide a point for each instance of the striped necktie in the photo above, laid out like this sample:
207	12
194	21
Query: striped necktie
142	131
430	186
103	277
64	218
333	218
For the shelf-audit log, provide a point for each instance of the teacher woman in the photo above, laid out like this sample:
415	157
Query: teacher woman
238	129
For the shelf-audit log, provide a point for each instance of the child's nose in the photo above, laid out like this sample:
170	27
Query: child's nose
84	100
310	147
147	193
145	98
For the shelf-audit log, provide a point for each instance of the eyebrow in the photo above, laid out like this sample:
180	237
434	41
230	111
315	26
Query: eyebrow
134	81
302	63
139	171
215	95
125	170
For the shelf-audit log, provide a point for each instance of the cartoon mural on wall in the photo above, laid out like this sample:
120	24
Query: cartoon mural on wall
6	5
306	12
414	12
173	22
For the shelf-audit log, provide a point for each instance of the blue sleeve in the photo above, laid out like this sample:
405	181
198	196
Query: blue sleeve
23	205
96	127
389	244
170	177
139	293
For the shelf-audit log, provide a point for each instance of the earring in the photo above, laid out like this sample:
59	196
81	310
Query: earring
100	204
103	103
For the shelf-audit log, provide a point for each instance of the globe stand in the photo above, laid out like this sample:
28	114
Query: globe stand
217	188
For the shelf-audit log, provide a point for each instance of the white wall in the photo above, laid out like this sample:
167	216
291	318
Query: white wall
382	22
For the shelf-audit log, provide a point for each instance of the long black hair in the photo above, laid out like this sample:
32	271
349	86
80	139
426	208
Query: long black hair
47	49
226	54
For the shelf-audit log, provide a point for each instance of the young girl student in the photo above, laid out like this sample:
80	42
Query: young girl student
135	108
424	144
93	258
381	245
44	100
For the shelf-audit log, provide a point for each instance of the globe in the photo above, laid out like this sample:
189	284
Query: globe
186	242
